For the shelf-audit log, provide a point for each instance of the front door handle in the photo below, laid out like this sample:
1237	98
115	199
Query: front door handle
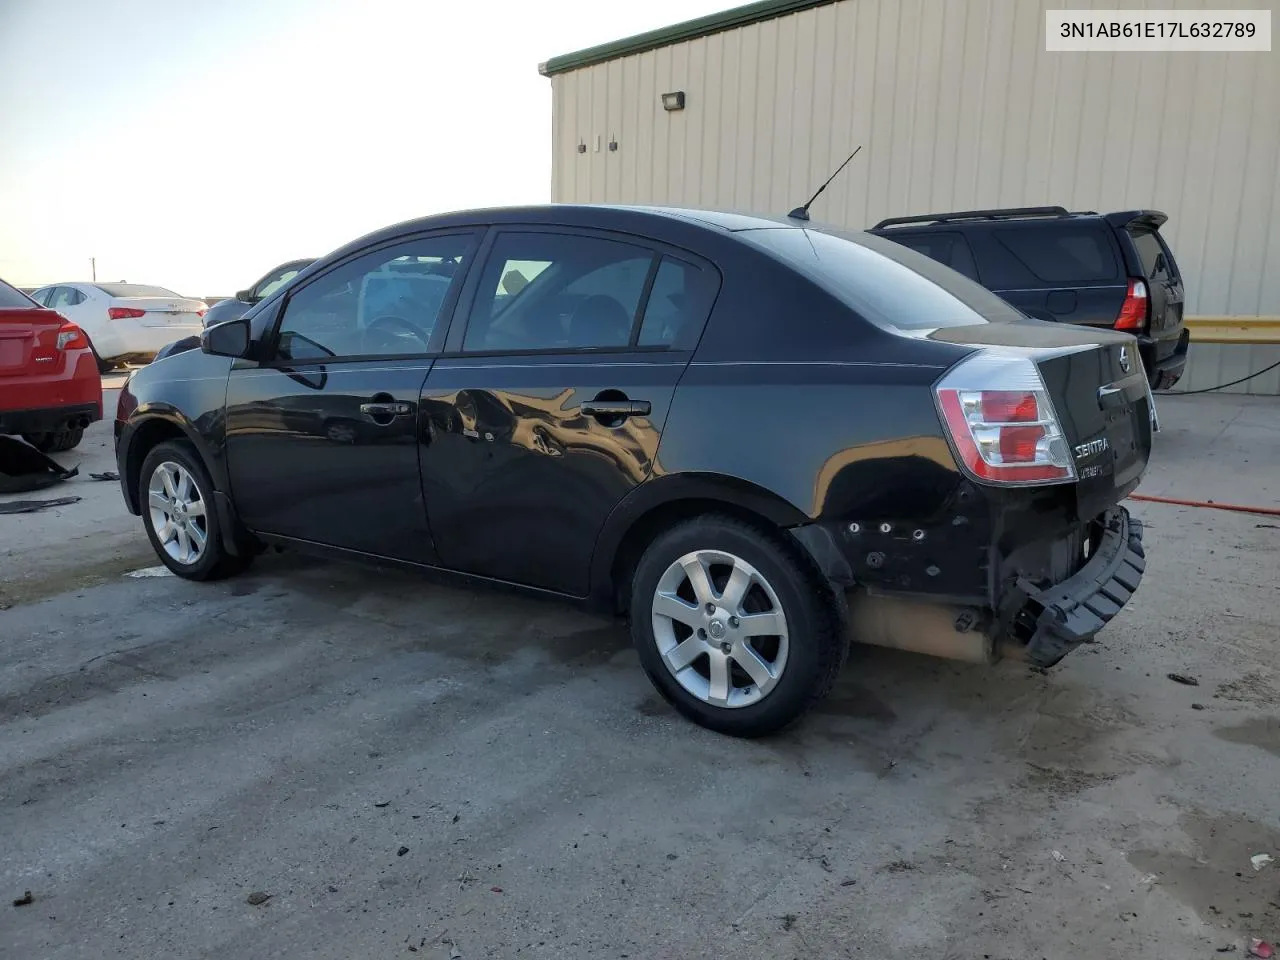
616	408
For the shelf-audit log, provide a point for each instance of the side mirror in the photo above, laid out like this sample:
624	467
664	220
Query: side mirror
231	338
245	296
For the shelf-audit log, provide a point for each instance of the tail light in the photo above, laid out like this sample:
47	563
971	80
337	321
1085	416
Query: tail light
1001	421
125	313
71	337
1133	312
201	313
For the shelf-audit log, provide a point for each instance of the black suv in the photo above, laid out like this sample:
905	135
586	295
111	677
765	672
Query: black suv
1099	270
754	438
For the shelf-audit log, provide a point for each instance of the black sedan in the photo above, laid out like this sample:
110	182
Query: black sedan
755	438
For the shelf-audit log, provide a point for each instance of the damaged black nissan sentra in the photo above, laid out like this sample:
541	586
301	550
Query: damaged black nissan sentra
757	439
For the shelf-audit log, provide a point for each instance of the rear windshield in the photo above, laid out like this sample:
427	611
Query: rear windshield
885	282
1155	261
11	299
134	290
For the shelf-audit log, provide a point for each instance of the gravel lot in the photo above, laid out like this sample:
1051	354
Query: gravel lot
405	768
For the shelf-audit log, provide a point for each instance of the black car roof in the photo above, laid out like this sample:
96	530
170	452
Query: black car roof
585	214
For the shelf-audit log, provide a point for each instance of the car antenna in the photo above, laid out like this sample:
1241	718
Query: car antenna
802	213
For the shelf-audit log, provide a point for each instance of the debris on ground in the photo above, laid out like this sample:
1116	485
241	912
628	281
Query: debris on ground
402	851
25	900
1059	856
257	898
384	803
847	883
1260	860
1260	948
105	475
150	572
495	889
24	468
31	506
1184	679
1197	706
788	920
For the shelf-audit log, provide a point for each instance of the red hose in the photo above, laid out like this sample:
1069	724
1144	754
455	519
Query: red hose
1264	511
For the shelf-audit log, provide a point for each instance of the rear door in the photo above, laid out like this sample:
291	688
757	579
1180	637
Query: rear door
323	438
550	404
28	343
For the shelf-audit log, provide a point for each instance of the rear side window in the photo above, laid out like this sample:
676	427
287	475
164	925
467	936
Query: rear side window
679	302
883	281
1156	262
1061	254
951	249
552	291
11	299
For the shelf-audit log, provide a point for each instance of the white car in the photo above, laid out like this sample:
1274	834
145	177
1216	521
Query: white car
125	321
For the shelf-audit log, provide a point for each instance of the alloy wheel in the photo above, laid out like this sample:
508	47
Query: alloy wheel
720	628
178	513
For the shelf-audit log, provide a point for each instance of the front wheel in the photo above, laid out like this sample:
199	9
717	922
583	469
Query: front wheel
179	515
734	627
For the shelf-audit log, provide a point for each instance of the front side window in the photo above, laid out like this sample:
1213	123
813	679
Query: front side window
385	303
549	291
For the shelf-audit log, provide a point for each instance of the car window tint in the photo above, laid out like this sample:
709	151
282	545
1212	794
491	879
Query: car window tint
548	291
61	297
1061	254
383	303
11	299
951	249
883	281
276	282
678	304
1155	263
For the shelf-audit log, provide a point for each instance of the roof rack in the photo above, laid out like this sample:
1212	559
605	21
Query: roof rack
1008	213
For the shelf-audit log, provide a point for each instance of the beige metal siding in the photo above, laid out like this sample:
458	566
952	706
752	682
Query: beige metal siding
958	106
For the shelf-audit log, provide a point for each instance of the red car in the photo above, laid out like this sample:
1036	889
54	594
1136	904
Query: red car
50	388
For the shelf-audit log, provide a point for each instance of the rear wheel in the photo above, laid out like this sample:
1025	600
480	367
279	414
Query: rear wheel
734	627
178	513
56	441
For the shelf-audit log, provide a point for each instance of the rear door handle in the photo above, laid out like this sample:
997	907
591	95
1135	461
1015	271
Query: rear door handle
616	408
385	410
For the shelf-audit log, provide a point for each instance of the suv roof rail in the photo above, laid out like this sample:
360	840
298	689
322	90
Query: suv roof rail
1004	214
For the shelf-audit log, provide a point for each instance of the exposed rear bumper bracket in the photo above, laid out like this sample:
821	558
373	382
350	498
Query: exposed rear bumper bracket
1073	611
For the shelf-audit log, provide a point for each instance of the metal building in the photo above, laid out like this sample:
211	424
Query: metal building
958	106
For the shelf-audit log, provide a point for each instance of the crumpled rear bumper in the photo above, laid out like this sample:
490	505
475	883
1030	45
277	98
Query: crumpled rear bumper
1073	611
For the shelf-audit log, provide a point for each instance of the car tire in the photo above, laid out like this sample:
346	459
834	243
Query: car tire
699	646
56	441
175	493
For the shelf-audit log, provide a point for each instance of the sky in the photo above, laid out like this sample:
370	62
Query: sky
195	145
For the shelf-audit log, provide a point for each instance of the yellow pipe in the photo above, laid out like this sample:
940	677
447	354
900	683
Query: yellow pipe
1242	329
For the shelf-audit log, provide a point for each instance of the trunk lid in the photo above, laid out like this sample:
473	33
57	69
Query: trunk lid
1100	394
163	311
28	341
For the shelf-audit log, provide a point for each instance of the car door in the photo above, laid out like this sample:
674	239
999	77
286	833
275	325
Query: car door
322	438
549	406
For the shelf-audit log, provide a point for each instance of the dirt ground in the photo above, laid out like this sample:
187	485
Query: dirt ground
329	761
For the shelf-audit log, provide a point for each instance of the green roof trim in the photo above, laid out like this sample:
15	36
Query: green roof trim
678	33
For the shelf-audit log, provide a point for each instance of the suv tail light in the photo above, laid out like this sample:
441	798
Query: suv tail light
1133	312
125	313
71	337
1001	421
